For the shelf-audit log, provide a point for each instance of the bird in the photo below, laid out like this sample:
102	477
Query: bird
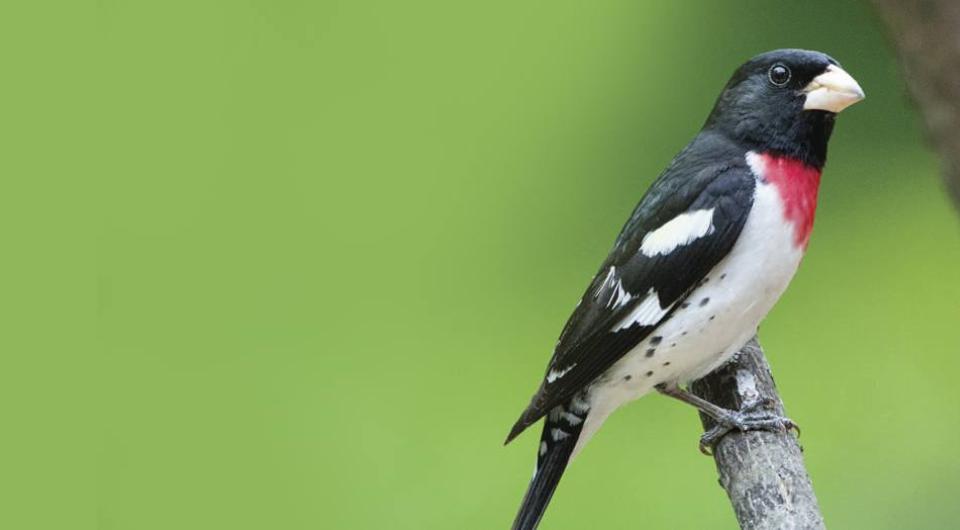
704	256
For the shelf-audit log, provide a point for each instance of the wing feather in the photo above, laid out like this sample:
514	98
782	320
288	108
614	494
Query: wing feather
634	292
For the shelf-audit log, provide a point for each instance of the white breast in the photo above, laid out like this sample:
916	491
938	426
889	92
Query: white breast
716	320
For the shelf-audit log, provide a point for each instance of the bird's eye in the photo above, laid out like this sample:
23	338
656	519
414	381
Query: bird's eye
779	74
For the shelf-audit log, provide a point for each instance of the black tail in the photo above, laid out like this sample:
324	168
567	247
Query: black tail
561	429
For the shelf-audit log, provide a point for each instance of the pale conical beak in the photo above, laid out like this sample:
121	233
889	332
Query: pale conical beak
832	91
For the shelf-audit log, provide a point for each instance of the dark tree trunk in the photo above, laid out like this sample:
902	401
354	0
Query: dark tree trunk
926	36
762	472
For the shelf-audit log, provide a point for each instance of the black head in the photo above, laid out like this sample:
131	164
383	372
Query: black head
785	101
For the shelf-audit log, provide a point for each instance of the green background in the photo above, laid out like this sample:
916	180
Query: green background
333	244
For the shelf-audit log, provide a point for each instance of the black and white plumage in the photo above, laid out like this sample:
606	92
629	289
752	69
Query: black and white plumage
704	256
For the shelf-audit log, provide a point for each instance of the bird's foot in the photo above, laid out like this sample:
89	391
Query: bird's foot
758	420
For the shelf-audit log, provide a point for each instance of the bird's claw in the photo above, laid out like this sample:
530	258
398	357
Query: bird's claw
744	421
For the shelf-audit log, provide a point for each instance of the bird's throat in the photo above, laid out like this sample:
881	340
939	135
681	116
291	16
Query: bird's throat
797	183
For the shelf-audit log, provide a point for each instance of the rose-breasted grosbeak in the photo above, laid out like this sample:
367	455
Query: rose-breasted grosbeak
701	261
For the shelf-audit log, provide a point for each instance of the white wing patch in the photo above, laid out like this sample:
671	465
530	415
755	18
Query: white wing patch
618	295
647	313
557	374
607	280
681	230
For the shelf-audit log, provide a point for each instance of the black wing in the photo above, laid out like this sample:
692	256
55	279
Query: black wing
598	334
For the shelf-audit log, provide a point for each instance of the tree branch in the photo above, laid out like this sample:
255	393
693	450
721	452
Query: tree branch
762	472
925	35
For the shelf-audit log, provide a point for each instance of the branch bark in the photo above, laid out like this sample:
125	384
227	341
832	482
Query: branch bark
926	35
762	472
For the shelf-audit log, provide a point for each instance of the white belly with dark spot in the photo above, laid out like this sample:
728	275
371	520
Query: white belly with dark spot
716	320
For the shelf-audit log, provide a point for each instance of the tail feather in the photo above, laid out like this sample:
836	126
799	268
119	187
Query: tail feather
561	429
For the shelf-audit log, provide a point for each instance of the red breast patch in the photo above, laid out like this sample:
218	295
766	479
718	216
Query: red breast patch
797	183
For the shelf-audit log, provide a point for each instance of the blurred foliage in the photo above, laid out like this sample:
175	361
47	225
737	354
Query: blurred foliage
335	242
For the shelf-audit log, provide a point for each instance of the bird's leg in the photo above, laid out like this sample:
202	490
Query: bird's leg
750	419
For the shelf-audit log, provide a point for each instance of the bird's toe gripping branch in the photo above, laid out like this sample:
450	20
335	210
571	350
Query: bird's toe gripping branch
754	418
759	420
